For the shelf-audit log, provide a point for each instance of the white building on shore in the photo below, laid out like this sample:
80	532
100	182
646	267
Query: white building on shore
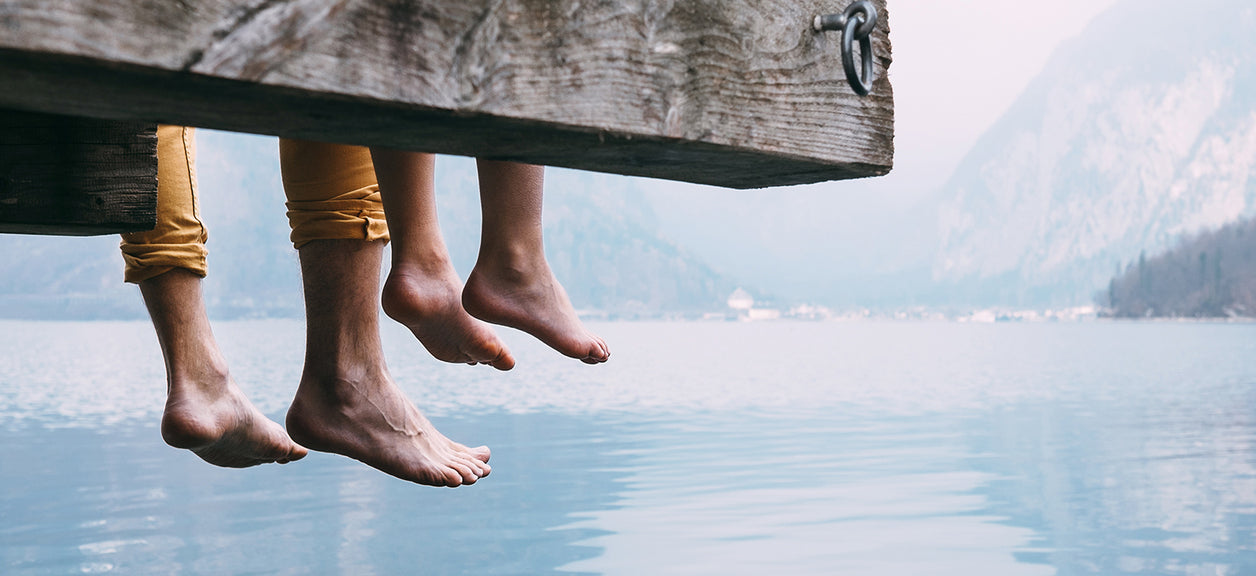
740	300
742	304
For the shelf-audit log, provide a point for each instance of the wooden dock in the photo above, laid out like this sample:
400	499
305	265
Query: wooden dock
733	93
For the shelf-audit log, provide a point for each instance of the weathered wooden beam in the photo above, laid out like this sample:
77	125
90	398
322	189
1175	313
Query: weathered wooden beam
737	93
76	176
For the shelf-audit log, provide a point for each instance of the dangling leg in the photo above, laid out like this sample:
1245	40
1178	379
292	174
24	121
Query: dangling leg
423	292
205	411
347	403
511	283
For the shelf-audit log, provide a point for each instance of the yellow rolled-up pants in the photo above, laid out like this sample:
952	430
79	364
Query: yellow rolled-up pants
332	195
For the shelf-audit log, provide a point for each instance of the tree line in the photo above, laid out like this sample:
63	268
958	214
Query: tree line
1208	275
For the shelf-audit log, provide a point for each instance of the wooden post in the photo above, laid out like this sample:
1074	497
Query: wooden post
736	93
76	176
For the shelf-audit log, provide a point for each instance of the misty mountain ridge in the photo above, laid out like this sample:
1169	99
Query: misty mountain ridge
1138	132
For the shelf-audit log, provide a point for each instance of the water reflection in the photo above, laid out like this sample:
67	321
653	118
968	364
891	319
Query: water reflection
789	496
115	500
702	448
1162	488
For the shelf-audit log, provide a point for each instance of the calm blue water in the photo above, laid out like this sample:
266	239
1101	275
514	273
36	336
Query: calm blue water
773	448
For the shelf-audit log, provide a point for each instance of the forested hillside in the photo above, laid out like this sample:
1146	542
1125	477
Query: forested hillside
1209	275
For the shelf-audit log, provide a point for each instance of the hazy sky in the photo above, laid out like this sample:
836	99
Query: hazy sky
958	66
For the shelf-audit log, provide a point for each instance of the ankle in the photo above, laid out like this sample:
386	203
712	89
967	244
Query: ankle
337	381
512	267
420	265
210	377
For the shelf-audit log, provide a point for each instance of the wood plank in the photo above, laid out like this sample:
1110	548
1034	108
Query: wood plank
737	93
76	176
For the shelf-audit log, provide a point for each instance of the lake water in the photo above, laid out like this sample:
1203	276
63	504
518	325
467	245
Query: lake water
720	448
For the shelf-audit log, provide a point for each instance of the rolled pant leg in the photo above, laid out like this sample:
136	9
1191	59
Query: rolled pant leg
179	239
332	192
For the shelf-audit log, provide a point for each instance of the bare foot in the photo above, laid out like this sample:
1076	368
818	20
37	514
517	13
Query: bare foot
221	426
532	301
430	305
371	421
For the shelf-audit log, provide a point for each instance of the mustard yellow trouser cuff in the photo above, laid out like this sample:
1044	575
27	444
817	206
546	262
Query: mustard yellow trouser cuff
331	189
354	215
178	241
152	260
332	192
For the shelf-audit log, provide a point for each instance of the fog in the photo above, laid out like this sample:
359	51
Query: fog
957	68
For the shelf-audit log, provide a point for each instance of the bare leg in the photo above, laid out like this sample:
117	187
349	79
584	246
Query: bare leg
347	403
512	283
423	291
205	411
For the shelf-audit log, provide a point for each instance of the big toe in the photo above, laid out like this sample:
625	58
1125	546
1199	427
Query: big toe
599	353
489	350
295	452
596	355
596	351
504	361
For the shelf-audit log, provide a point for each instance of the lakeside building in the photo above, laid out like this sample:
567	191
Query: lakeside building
742	307
740	300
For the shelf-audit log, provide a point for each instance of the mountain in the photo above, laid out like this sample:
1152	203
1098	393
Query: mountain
1137	132
601	238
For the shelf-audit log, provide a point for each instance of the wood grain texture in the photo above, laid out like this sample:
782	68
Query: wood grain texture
76	176
737	93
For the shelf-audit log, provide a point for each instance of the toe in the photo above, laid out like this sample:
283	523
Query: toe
467	475
504	361
596	352
480	453
602	352
453	478
297	452
479	468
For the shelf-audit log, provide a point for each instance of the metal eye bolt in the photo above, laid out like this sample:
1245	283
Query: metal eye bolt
857	24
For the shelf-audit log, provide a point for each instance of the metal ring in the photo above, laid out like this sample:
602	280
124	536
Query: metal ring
856	23
861	85
869	12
